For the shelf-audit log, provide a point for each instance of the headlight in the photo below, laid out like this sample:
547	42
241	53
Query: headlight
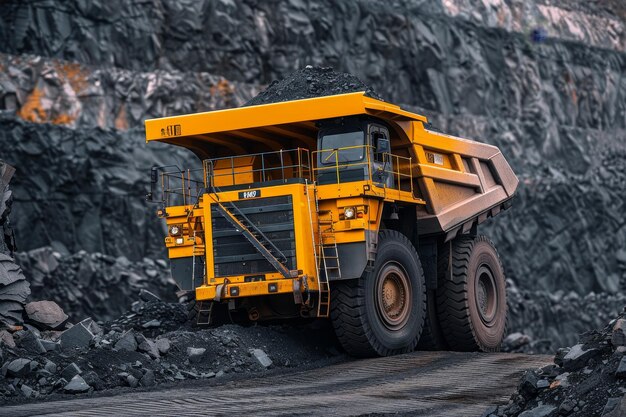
348	212
175	230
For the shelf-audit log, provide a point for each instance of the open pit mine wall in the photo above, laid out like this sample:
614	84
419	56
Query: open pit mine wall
78	78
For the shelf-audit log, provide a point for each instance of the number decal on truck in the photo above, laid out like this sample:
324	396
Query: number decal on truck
250	194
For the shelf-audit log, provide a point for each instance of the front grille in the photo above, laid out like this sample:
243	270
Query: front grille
234	255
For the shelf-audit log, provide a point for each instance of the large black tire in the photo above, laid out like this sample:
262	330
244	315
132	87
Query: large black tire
472	303
382	313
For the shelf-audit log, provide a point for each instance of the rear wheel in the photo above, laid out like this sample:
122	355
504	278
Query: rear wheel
471	297
382	313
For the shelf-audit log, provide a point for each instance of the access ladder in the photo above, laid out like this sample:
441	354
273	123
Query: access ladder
331	269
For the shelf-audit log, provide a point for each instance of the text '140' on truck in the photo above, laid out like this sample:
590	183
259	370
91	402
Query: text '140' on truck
344	207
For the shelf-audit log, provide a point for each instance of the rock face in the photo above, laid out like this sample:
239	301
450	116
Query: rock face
543	81
94	285
7	242
14	289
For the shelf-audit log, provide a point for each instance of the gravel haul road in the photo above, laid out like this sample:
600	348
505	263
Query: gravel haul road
420	383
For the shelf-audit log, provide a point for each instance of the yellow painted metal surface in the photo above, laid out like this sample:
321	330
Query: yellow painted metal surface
167	129
449	181
304	238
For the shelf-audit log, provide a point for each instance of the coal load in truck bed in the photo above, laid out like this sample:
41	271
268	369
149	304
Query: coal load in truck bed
311	82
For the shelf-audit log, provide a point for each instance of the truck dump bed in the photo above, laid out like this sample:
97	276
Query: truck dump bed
462	182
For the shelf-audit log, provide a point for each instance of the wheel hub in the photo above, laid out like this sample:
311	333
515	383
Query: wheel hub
394	295
486	297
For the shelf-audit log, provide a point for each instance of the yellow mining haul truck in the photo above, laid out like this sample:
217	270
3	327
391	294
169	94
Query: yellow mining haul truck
340	206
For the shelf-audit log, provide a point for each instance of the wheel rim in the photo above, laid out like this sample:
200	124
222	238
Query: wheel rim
486	296
393	299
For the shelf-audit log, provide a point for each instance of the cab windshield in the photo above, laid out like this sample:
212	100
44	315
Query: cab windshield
331	144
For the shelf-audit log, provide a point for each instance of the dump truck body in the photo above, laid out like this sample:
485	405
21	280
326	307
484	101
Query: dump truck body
293	196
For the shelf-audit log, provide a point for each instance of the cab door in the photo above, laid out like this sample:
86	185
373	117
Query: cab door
382	163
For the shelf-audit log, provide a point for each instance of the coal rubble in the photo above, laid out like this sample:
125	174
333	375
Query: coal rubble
94	284
132	352
311	82
587	379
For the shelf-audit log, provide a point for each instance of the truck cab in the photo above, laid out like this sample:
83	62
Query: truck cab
359	144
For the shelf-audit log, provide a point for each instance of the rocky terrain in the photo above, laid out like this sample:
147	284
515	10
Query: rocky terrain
587	379
542	80
152	344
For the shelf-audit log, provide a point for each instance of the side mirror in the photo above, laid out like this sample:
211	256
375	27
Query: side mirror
154	179
383	145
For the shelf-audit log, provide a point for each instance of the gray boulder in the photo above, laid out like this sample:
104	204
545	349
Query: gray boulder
31	343
70	371
195	355
7	339
261	357
148	379
146	345
50	345
46	315
20	367
27	391
78	336
127	342
577	357
76	385
50	366
163	344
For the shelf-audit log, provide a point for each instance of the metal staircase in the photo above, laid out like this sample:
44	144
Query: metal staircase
329	260
255	236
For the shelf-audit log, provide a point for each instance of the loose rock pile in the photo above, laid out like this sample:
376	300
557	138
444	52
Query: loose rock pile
150	345
587	379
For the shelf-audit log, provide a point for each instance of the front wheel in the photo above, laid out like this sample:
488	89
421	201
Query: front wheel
382	313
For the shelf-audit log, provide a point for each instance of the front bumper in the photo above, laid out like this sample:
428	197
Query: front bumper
232	290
